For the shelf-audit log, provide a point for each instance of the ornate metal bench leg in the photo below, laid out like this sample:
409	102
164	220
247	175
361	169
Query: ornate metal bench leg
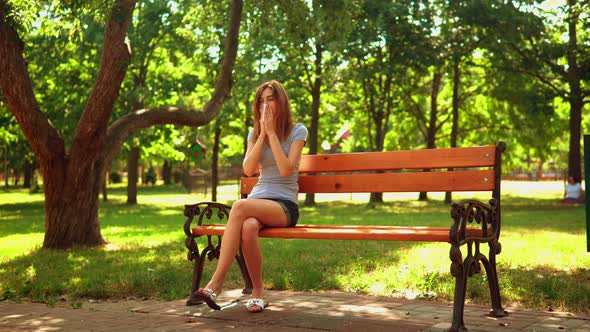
460	270
490	266
196	282
245	275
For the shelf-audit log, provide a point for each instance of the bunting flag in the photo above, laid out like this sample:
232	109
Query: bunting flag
343	133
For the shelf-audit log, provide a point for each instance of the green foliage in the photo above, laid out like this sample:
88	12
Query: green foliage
19	14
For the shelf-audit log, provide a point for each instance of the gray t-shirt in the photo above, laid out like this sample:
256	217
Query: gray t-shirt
270	183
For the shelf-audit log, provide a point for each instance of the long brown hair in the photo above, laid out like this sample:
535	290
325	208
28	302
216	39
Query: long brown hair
282	112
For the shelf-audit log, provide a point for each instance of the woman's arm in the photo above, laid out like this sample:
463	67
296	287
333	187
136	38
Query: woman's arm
286	164
251	163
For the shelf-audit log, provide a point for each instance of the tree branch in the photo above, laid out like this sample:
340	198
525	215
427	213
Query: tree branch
89	138
124	127
17	89
224	77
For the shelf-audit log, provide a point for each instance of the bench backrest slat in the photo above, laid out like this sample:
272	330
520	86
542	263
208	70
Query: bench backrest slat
480	156
390	182
427	170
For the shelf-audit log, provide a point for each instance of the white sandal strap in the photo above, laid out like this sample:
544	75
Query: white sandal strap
254	301
211	293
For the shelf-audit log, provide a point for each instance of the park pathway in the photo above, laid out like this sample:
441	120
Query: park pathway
288	311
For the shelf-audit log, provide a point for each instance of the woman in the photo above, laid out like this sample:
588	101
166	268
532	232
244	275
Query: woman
573	191
274	148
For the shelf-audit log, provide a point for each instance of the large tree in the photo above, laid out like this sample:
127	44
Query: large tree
72	175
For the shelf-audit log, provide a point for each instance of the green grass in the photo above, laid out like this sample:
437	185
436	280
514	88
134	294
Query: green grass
543	264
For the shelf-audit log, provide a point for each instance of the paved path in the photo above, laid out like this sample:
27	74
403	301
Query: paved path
288	311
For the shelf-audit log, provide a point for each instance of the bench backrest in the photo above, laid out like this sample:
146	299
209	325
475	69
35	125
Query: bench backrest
428	170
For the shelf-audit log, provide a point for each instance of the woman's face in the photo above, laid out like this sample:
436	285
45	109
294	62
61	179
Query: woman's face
267	98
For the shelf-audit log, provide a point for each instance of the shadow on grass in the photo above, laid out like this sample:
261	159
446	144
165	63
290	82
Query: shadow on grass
162	271
22	218
540	288
46	275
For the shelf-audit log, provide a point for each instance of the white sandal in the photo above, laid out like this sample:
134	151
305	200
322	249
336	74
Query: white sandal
256	302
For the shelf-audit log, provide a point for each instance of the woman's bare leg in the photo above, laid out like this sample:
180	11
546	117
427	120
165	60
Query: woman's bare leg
253	254
266	212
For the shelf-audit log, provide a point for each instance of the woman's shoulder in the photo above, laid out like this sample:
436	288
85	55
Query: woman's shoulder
299	130
299	127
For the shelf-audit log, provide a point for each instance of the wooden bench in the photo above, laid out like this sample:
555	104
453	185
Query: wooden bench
471	222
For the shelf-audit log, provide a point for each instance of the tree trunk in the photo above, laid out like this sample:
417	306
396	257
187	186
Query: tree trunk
28	170
132	175
215	163
575	158
6	169
455	128
105	194
432	128
316	91
575	96
375	198
167	172
71	205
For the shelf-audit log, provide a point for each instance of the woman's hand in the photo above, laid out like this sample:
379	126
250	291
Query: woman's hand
267	121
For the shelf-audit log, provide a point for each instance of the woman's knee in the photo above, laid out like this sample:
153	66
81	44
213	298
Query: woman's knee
250	229
239	207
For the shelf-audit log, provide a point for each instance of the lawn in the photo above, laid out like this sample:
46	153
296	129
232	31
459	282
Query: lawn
543	264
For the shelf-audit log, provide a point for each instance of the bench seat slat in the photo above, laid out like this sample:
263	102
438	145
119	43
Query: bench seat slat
475	180
343	232
480	156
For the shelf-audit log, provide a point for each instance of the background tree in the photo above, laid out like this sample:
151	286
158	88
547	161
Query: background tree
547	44
382	48
316	31
461	43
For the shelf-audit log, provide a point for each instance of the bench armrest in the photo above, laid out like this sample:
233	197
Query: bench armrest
203	210
472	211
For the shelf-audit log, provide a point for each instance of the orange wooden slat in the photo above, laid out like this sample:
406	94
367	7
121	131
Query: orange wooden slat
336	232
391	182
481	156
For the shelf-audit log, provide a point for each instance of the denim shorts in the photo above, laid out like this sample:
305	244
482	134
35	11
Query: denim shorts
291	210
